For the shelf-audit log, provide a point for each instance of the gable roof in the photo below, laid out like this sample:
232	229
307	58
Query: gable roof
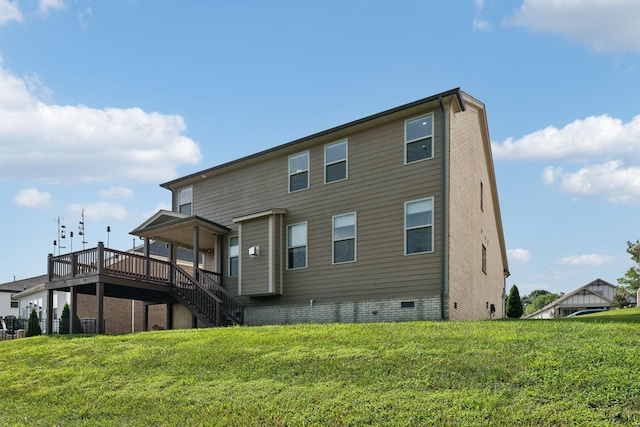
21	285
584	288
456	94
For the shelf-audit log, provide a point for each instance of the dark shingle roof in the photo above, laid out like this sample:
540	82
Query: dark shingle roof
21	285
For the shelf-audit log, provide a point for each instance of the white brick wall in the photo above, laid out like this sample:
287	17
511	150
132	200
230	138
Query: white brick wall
388	310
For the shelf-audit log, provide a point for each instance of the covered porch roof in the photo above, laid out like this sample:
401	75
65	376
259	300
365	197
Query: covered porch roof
178	228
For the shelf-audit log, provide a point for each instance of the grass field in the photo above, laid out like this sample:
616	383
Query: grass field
584	371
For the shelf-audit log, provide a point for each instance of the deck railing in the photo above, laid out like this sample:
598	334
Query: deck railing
205	293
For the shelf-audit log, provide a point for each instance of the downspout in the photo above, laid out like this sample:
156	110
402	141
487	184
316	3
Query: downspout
444	211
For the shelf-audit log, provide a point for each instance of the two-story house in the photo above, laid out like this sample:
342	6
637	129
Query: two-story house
392	217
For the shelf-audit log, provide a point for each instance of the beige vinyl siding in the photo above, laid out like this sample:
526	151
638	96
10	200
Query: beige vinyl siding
378	185
254	273
470	226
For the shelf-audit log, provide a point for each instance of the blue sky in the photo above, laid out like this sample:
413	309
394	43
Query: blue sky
101	101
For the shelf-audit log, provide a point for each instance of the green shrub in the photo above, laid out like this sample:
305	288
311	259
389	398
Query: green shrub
64	322
514	304
33	325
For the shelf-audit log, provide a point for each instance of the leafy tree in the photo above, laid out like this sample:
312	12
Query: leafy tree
621	298
514	304
33	325
528	299
64	322
540	301
631	279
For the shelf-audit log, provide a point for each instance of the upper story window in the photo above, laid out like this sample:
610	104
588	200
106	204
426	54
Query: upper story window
418	226
299	171
418	138
335	161
234	251
344	238
185	200
481	196
297	246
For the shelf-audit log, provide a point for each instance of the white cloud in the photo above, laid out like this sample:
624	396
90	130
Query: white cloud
9	11
46	5
32	198
580	140
481	25
605	25
100	210
519	255
146	215
585	260
115	193
610	181
550	174
58	143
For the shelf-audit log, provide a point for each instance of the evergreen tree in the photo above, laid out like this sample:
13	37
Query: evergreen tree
33	326
514	304
64	322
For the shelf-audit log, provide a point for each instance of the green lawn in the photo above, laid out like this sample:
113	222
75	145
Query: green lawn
533	372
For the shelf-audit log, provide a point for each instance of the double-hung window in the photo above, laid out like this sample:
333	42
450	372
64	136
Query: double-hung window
418	226
344	238
185	200
297	246
299	171
234	251
418	138
335	161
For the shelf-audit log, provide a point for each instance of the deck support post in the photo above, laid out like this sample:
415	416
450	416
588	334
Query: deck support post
194	322
169	316
100	308
145	317
73	309
49	312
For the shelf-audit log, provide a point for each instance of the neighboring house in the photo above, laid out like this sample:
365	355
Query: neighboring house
596	294
392	217
8	303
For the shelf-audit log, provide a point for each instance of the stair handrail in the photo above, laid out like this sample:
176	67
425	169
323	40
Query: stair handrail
202	299
231	306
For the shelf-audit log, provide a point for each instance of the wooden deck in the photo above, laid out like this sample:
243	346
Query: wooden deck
103	272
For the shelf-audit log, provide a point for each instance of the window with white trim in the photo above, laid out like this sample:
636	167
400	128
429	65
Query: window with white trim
418	138
335	161
185	200
297	246
299	171
418	226
344	238
234	251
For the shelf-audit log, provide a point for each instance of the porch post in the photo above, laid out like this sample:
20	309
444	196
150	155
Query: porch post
219	261
196	250
100	308
73	309
145	317
49	312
